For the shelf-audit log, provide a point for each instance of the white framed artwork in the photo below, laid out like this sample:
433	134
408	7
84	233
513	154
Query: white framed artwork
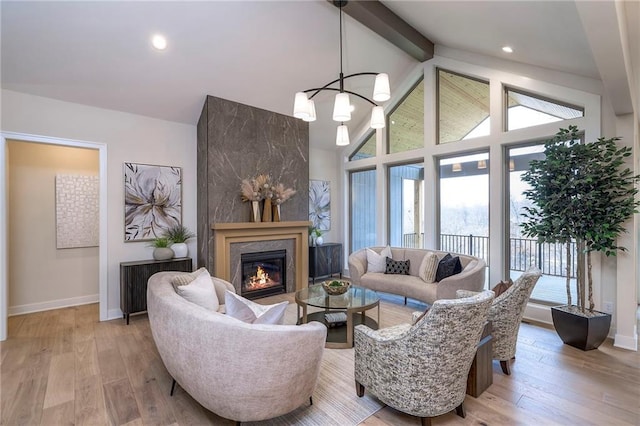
77	211
320	204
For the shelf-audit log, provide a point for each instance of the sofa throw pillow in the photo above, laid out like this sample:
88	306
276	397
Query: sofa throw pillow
502	286
448	266
378	262
253	313
201	292
184	279
428	267
397	267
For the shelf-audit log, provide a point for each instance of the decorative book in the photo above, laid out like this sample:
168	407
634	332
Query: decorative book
334	319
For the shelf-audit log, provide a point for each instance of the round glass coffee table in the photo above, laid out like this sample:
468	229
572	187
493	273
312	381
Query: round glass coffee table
355	300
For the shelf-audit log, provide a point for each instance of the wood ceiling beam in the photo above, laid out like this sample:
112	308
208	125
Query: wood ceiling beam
378	18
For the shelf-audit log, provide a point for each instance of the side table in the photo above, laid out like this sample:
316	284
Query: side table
134	277
481	372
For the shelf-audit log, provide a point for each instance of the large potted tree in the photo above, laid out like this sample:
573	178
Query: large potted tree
580	192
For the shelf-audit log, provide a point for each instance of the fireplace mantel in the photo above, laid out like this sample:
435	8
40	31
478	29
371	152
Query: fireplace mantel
226	234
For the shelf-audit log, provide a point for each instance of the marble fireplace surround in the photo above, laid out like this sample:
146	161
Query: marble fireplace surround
233	239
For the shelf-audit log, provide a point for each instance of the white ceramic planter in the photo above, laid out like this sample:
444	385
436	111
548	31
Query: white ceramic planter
180	249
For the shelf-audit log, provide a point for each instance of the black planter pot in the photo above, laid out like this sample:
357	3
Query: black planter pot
580	331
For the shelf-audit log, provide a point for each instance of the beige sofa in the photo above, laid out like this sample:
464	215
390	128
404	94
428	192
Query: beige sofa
243	372
412	286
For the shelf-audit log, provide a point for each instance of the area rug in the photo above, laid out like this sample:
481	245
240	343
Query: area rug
334	401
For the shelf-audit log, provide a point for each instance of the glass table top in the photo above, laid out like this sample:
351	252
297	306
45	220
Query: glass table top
355	297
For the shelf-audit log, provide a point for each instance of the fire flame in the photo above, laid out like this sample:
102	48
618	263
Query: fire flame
261	276
260	280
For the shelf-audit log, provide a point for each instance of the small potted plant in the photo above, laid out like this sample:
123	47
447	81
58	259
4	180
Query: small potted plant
316	236
161	250
178	236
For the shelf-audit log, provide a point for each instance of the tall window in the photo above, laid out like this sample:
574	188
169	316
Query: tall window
363	209
526	110
406	122
464	205
406	201
366	150
524	251
463	107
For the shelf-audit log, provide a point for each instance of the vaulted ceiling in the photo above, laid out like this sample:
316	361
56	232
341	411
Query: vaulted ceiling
258	53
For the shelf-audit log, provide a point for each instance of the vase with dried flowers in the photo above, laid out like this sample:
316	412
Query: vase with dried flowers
280	195
250	191
263	183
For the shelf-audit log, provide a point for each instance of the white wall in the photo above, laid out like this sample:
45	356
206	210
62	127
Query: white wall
40	275
129	138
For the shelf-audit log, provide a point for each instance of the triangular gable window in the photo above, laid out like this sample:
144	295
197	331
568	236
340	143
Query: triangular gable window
526	110
366	150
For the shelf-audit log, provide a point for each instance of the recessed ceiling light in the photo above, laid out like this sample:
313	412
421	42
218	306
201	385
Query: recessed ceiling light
507	49
159	42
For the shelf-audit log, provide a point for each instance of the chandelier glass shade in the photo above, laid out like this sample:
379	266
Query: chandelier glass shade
342	136
304	106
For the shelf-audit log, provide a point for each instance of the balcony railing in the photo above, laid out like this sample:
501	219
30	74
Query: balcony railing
524	252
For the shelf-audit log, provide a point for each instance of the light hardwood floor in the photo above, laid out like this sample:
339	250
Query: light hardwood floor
65	367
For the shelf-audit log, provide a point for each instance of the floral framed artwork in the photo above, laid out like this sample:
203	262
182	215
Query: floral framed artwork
320	204
152	200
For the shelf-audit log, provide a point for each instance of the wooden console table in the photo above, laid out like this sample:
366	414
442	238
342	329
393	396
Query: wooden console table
481	373
134	277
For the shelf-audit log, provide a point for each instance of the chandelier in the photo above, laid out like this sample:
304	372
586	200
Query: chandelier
304	106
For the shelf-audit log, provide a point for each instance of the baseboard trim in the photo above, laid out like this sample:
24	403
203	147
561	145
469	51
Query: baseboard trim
52	304
114	314
626	342
538	313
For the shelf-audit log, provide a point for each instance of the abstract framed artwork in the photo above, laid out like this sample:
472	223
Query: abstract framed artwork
77	211
320	204
152	200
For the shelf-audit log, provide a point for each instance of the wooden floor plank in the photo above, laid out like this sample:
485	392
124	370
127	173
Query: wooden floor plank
149	395
118	377
90	403
120	402
111	366
60	385
86	359
59	415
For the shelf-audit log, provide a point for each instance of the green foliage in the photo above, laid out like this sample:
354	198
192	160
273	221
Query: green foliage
315	232
178	234
582	192
160	242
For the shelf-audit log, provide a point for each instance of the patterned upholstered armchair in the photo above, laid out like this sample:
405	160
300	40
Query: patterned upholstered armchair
505	315
422	369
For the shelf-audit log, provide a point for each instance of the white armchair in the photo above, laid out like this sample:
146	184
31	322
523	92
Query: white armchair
422	369
213	356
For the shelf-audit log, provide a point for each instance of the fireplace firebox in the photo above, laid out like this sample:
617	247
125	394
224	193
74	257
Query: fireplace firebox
263	273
